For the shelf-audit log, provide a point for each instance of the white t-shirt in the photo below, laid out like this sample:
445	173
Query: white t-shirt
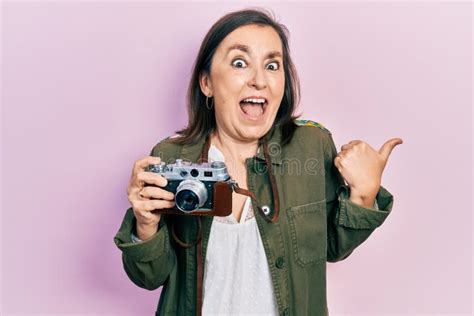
237	278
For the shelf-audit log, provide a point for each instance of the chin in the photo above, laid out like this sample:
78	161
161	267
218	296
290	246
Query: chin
254	132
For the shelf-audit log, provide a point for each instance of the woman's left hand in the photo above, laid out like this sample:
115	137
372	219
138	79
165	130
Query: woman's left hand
362	166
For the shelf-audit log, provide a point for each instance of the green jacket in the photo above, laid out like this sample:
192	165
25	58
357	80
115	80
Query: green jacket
317	224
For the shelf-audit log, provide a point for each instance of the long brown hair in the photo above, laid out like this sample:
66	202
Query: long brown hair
202	121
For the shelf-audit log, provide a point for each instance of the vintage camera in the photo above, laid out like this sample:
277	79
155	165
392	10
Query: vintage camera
199	189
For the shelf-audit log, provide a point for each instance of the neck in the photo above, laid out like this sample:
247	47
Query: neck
234	150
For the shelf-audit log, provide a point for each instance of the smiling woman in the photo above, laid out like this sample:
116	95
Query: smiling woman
292	210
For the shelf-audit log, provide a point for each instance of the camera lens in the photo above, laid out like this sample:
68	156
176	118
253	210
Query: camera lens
190	195
187	200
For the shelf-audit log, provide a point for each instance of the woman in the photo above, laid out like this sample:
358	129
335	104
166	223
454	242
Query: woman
269	256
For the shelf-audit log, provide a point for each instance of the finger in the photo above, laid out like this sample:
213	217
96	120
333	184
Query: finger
150	205
145	162
134	194
146	216
156	193
355	141
346	146
388	146
152	178
343	154
158	204
338	163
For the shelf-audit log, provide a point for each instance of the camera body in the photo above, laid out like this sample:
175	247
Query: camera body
199	189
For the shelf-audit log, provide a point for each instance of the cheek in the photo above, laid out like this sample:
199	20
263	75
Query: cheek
282	84
228	84
278	90
225	110
278	85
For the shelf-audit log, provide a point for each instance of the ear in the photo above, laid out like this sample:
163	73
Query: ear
205	84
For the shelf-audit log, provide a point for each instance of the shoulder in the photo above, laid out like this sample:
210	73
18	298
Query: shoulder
165	147
311	124
314	135
311	131
308	136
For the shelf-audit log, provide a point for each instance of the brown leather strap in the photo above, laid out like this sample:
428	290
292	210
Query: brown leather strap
199	274
274	218
182	243
205	150
198	264
276	197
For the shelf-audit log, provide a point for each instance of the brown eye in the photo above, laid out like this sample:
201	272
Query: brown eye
239	63
274	65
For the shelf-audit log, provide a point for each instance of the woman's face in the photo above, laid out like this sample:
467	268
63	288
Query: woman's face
248	63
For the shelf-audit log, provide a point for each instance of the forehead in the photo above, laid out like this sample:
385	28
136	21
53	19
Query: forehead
259	38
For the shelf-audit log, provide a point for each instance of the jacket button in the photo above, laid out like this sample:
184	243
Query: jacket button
286	312
280	262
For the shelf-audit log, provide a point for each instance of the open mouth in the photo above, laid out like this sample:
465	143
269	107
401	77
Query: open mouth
254	108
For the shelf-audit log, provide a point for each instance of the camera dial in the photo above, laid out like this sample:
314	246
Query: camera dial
217	164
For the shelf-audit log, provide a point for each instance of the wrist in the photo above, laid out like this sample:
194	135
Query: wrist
364	199
146	231
365	202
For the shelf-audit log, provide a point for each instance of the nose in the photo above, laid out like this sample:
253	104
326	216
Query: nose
258	79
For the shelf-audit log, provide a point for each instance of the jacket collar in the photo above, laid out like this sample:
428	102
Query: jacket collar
273	146
193	152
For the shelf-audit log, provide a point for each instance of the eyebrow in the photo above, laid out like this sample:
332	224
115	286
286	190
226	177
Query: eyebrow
246	49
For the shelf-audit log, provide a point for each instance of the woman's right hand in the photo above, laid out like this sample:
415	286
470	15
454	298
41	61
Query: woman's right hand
146	199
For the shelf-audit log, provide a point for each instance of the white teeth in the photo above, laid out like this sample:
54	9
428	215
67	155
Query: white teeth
254	100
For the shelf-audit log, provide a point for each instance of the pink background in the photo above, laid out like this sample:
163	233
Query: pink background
90	87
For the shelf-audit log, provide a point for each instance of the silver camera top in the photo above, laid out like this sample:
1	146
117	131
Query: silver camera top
182	170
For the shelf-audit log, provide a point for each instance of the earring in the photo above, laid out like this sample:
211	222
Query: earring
207	105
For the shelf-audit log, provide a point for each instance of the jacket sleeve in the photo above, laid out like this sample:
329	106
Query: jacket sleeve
147	263
348	224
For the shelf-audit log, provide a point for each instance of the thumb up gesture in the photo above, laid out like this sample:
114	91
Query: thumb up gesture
362	166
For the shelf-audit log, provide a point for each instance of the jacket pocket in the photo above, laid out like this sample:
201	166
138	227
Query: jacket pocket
308	229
